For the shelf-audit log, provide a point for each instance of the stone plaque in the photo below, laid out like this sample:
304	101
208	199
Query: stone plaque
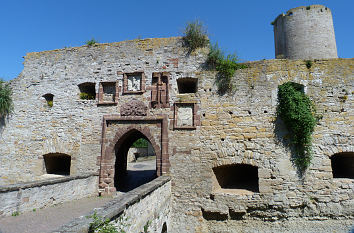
184	116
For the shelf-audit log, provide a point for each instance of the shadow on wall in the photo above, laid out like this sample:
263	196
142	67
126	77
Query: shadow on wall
3	120
282	136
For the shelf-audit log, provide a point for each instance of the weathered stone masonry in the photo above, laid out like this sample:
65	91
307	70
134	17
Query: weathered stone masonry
191	134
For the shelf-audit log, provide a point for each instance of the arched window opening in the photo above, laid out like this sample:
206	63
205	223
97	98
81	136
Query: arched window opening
49	99
343	165
56	163
87	91
135	161
236	178
187	85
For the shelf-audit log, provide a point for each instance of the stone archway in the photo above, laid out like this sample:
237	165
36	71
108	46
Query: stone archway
118	133
124	180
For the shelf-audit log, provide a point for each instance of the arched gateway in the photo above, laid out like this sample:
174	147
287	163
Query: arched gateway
118	134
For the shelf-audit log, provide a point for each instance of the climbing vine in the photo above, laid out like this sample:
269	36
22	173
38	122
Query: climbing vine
195	36
225	65
6	104
299	115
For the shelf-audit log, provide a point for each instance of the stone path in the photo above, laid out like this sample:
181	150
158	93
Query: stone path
51	218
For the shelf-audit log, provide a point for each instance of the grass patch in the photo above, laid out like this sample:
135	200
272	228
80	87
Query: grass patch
16	213
308	64
101	225
195	36
6	104
91	42
87	96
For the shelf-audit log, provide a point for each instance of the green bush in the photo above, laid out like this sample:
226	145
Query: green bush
16	213
195	36
87	96
215	55
6	104
50	103
100	225
308	64
140	143
299	115
225	66
91	42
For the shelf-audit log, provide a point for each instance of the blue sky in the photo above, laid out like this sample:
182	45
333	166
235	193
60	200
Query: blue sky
238	26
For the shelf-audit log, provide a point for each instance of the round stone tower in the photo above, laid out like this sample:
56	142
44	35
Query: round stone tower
305	33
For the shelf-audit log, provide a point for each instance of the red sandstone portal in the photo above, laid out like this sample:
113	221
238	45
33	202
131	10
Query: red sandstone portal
118	134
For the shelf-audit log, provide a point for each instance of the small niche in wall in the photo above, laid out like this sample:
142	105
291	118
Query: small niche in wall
343	165
187	85
108	93
236	179
56	163
49	99
87	91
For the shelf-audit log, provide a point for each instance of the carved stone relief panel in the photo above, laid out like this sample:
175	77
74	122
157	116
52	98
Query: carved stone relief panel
134	108
134	83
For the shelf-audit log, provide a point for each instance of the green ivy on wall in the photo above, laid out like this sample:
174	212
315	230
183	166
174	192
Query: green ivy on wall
299	115
225	65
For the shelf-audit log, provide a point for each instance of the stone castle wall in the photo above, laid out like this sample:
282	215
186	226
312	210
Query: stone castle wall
40	194
242	129
305	33
204	130
74	126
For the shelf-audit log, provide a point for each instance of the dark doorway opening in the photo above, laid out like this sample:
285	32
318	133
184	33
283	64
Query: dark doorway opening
237	176
343	165
133	173
187	85
56	163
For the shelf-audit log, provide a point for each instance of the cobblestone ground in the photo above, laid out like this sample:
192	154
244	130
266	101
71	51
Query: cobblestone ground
51	218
